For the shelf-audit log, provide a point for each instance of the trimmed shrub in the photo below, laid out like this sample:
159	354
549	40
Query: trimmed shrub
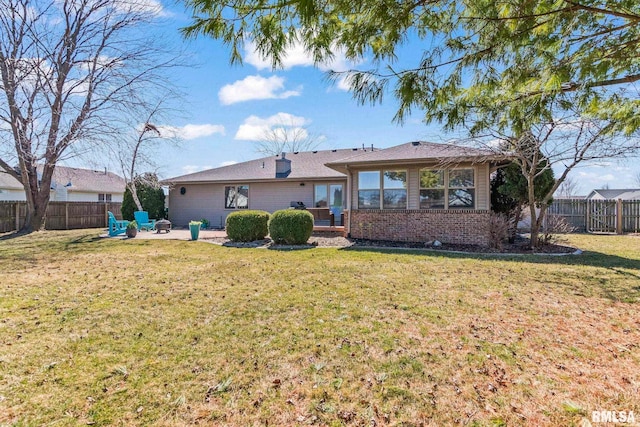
247	226
291	226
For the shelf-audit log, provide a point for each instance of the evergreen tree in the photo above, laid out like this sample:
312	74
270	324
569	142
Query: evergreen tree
151	197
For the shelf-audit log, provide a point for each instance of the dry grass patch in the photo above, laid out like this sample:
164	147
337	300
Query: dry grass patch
157	332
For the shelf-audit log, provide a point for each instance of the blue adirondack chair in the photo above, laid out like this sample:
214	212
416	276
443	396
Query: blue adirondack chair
142	218
116	226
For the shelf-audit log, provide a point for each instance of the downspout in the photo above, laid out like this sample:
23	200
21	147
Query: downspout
349	183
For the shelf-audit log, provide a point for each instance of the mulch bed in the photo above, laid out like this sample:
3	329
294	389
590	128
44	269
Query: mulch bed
520	246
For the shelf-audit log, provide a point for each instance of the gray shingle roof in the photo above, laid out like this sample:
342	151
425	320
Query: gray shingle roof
304	165
8	182
625	194
330	163
88	180
420	151
82	180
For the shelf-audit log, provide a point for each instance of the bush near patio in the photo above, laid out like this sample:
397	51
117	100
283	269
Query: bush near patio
247	226
291	226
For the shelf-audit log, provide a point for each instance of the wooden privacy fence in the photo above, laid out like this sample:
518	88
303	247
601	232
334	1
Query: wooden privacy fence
599	216
60	215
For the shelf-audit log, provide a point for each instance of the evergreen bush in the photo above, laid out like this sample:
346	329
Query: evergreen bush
247	226
291	226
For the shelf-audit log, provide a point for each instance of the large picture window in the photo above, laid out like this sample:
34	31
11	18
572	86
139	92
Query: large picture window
394	184
461	189
236	197
386	189
452	189
432	189
369	190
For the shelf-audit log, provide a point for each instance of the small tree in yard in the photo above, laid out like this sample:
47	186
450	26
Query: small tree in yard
73	75
510	192
502	204
151	198
134	151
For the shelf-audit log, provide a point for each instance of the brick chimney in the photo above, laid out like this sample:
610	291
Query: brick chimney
283	166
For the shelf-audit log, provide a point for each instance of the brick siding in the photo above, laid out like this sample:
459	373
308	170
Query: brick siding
447	226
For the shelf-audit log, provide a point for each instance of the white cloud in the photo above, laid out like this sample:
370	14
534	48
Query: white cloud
193	168
296	56
152	7
190	131
256	87
254	128
228	163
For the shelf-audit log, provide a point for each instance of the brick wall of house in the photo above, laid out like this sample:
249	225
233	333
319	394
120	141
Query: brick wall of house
447	226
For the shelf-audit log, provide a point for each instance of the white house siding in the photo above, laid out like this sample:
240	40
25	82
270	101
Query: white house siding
207	200
12	195
79	196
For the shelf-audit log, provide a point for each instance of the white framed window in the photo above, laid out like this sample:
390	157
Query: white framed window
386	189
321	196
432	189
394	185
102	197
236	197
369	190
327	195
461	192
447	189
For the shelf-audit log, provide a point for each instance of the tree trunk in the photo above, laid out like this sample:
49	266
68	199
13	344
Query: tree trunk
514	220
535	227
38	193
36	209
134	195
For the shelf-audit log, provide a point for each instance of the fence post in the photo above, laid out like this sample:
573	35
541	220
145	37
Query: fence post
106	214
619	216
17	216
66	215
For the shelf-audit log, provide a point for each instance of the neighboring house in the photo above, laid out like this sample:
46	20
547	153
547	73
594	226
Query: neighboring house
606	194
73	185
417	191
10	188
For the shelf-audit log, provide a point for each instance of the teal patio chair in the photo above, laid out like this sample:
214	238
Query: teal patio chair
142	218
116	226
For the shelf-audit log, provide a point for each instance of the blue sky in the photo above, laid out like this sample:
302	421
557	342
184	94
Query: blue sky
227	107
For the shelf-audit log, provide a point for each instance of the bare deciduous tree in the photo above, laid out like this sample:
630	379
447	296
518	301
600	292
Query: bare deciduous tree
562	143
135	151
568	188
287	138
73	74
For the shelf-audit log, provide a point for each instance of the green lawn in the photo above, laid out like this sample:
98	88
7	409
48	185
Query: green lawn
139	332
